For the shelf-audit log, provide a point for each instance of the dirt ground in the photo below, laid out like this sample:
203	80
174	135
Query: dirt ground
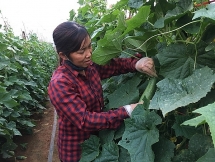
37	146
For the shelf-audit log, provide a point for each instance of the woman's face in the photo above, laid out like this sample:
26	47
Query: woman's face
82	57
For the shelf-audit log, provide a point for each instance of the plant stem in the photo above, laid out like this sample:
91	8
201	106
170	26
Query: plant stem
165	33
130	54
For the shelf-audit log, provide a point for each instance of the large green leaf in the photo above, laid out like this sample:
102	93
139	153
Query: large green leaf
135	3
208	113
106	135
126	94
124	155
208	34
110	152
179	60
199	144
10	145
12	126
181	8
111	45
208	12
108	48
208	157
90	149
138	19
195	121
162	7
164	150
183	130
7	101
174	93
193	28
184	155
140	134
4	63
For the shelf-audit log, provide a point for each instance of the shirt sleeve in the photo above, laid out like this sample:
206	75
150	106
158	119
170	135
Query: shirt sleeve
117	66
69	105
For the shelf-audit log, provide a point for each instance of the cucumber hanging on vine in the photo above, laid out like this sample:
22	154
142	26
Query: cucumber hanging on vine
150	89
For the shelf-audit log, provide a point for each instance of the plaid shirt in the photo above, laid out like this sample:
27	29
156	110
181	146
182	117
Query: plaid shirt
78	100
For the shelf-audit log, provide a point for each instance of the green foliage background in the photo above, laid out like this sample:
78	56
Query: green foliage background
26	65
177	124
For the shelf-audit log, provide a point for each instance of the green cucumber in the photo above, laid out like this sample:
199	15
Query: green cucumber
150	89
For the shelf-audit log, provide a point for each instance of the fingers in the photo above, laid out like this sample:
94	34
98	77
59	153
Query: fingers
133	106
148	67
151	72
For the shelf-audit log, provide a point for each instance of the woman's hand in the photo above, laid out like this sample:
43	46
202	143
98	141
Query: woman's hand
146	65
131	107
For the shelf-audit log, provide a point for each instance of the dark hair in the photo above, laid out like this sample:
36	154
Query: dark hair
68	37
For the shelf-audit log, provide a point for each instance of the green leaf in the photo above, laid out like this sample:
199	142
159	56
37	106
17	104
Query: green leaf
199	144
110	152
195	121
8	101
181	130
121	25
119	132
120	4
138	19
164	150
135	3
96	32
124	155
4	63
208	12
9	145
125	94
106	135
179	60
25	95
25	122
6	113
193	28
208	157
208	35
109	17
15	114
141	133
174	93
208	112
162	7
108	48
181	8
184	156
90	149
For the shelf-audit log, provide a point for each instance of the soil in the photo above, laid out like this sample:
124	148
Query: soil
37	145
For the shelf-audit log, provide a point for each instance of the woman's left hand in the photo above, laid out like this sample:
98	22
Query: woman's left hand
146	65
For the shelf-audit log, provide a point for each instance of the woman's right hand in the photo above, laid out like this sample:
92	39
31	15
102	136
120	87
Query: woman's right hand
131	107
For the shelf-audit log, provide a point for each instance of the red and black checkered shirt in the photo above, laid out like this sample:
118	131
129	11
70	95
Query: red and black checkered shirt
78	100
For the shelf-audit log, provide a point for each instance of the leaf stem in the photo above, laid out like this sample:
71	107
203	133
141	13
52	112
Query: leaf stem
130	54
164	33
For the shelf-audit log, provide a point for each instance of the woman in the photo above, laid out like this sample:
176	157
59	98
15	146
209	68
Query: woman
75	89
